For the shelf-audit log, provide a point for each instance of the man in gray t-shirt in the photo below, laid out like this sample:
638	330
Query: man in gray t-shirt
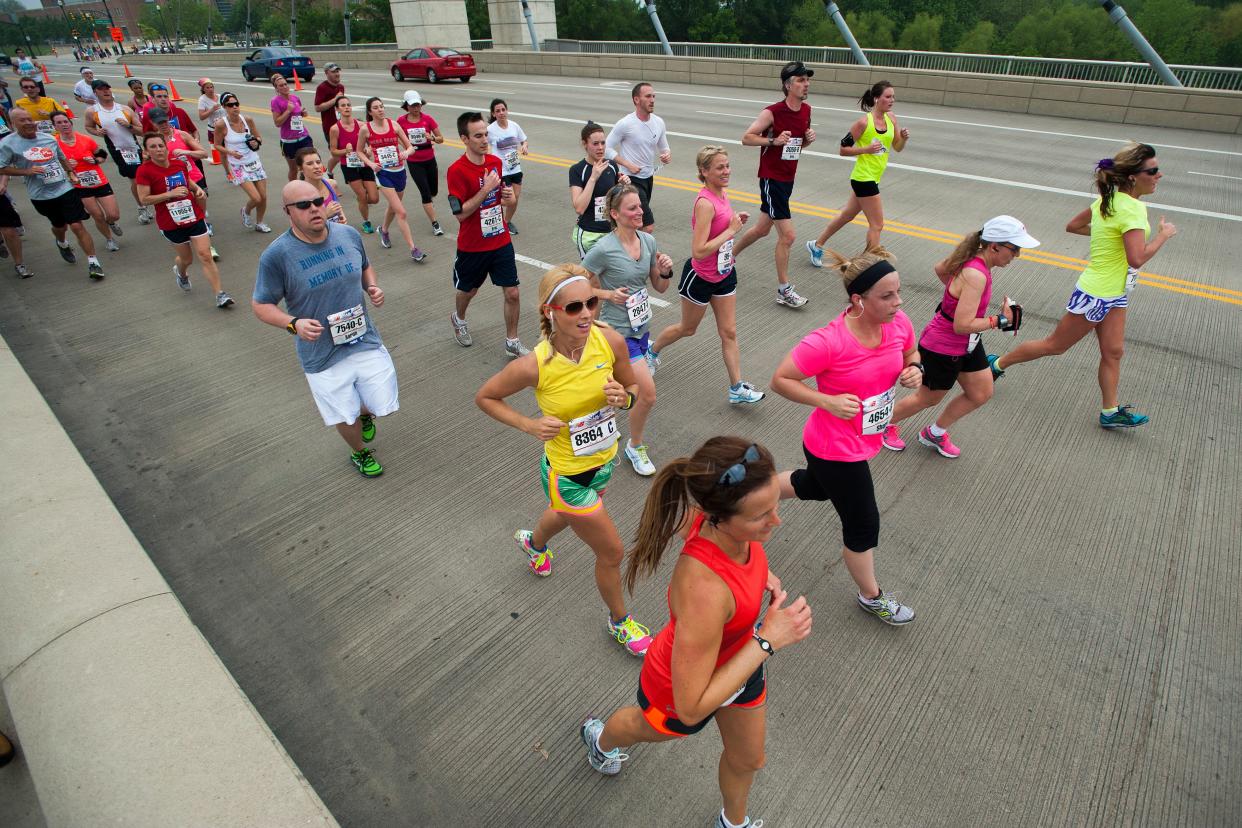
39	160
321	272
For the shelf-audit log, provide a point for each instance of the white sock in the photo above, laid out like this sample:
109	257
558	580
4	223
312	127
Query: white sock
63	245
458	319
724	820
92	260
937	431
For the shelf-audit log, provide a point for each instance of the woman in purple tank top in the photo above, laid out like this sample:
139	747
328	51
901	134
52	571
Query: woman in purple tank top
950	345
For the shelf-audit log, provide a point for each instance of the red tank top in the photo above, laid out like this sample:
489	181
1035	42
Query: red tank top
346	137
385	148
781	163
747	582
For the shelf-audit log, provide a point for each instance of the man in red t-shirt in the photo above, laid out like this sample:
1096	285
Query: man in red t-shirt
326	96
477	197
782	130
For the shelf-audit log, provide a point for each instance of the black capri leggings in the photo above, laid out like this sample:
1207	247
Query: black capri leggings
848	485
426	177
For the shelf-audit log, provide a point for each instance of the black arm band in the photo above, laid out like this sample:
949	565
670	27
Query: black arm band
454	205
848	140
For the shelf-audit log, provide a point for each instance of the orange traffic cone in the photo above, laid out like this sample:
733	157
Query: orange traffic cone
173	88
65	106
128	73
297	81
215	156
46	79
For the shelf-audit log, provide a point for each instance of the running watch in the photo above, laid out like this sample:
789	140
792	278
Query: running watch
292	327
764	644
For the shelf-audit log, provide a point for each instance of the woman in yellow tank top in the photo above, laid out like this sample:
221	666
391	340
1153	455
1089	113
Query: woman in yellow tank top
581	374
868	142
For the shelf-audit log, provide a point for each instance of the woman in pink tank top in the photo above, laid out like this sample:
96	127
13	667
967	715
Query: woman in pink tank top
709	277
950	345
708	662
343	142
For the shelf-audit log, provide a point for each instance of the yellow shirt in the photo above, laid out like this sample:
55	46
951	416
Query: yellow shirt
40	110
869	167
1105	276
572	391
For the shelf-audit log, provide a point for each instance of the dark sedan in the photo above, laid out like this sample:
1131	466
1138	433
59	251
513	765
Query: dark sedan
263	63
433	63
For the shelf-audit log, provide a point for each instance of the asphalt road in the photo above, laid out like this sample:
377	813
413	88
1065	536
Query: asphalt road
1076	654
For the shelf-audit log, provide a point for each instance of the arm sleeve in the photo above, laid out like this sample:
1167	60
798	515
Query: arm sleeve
596	259
812	355
663	137
615	136
269	285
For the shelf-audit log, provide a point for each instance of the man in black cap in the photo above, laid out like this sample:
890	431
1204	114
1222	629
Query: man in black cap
781	132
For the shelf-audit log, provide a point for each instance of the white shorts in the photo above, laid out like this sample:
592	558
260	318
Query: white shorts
366	379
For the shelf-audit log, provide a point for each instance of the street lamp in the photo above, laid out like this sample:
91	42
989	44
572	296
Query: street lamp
69	23
163	27
293	23
349	43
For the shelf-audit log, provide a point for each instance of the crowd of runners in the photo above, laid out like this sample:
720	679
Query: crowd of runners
598	353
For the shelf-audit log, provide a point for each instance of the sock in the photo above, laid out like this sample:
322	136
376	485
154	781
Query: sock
735	387
937	431
878	596
539	549
724	820
1108	412
458	319
515	340
654	353
63	245
785	288
92	260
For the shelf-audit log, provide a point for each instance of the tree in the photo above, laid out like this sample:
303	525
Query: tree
809	25
978	41
872	29
1229	36
1176	28
480	21
1067	31
922	33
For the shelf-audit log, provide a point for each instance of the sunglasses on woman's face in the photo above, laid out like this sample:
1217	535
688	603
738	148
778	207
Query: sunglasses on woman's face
307	204
232	105
574	308
1150	170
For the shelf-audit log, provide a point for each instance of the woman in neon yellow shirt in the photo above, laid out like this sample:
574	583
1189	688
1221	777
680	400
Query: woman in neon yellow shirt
868	142
1117	225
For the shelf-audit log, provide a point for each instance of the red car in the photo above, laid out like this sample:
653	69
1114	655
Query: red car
434	63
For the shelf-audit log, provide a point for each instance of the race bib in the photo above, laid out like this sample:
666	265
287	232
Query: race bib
181	211
295	123
638	306
600	208
792	151
53	172
877	411
353	160
88	179
972	342
45	127
1132	275
130	156
347	325
388	157
724	258
492	221
417	135
511	162
594	432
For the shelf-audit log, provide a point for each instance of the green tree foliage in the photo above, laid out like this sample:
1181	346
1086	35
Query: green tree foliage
1179	27
1071	30
1229	36
922	33
978	41
188	16
809	25
872	29
480	22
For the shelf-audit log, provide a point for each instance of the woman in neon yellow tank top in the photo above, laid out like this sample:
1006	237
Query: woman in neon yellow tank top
868	142
581	374
1117	225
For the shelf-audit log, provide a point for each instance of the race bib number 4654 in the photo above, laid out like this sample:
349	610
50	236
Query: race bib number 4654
877	411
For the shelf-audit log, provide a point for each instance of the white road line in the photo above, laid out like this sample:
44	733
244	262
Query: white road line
1215	175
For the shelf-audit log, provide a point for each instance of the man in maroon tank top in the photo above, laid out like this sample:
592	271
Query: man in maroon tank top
781	131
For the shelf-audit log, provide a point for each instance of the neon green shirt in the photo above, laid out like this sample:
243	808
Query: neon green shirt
868	167
1105	276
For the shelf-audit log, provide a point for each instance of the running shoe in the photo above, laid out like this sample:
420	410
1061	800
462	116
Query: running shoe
94	270
513	231
366	464
215	254
540	562
789	297
223	300
997	371
417	254
817	255
891	439
247	220
1123	417
887	609
211	231
144	216
368	228
653	361
368	427
4	250
23	271
744	392
749	823
183	279
436	230
610	762
112	245
460	332
637	456
385	242
115	227
941	444
66	253
261	227
631	635
514	348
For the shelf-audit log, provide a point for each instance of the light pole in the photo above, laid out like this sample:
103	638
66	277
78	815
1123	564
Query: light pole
348	41
17	21
159	11
249	38
208	4
69	23
293	23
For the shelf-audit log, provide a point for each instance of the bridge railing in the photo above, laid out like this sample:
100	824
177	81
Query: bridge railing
1195	77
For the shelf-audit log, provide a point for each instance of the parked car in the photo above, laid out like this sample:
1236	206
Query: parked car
434	63
279	43
5	60
148	50
263	63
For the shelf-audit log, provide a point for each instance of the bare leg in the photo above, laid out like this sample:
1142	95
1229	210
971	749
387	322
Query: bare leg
976	390
1111	336
847	214
645	402
84	238
761	227
922	398
873	209
1071	328
351	433
95	210
14	242
510	209
743	731
550	524
396	213
184	256
599	532
364	203
784	241
691	316
202	248
513	309
628	727
862	569
260	209
461	301
724	308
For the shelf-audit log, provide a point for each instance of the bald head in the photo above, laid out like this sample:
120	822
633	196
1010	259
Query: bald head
297	191
21	122
309	222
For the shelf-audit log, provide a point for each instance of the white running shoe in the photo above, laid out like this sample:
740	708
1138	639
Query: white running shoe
247	221
887	608
112	245
637	455
608	763
744	392
789	297
817	255
513	347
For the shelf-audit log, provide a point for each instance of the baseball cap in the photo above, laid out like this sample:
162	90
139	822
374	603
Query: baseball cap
158	116
412	98
1008	229
100	83
332	67
134	82
203	82
795	68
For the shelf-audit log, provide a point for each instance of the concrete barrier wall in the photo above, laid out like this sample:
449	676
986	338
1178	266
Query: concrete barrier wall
1207	110
122	712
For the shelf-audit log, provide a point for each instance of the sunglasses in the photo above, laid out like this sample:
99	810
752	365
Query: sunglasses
1150	170
737	472
576	307
317	201
158	88
1012	248
232	105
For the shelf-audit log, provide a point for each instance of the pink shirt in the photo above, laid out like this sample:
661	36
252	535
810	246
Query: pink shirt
841	365
720	264
939	336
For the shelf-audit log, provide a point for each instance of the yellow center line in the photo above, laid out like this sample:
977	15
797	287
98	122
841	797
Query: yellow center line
1057	260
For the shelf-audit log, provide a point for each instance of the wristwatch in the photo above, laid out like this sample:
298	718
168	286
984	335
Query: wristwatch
292	327
764	644
629	401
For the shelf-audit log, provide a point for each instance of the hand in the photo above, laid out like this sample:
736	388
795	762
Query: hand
490	181
623	178
808	137
506	195
618	296
376	293
598	168
744	216
545	428
634	168
235	154
774	583
735	224
666	158
876	148
37	169
334	209
524	151
1167	229
615	392
179	192
783	625
845	406
911	377
664	263
904	133
73	163
1010	318
782	139
308	329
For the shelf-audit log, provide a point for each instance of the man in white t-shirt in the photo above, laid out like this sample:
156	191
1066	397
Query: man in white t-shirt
82	89
636	142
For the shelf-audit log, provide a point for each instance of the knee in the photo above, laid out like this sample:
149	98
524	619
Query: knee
610	556
728	335
688	328
747	762
1112	353
876	225
979	396
512	295
787	236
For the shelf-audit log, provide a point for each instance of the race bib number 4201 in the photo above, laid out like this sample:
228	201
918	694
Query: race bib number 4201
491	221
877	411
348	325
594	432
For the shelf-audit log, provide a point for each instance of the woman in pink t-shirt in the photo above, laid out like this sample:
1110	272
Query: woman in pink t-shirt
709	276
856	360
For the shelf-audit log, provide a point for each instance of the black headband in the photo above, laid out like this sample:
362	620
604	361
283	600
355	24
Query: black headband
866	280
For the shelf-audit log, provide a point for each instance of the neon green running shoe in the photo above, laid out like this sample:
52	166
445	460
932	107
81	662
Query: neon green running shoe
366	463
368	427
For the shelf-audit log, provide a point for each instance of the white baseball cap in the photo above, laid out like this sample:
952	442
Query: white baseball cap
1008	229
412	98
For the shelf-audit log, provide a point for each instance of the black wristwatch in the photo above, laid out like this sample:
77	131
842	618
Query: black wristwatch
292	327
764	644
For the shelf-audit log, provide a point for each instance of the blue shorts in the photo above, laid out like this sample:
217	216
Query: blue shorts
639	346
472	269
290	148
392	179
1093	307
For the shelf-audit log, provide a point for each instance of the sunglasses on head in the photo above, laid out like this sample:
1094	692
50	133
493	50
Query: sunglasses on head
737	472
1150	170
576	307
317	201
158	88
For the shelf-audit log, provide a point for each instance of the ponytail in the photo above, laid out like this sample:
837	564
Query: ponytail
868	99
1112	174
966	250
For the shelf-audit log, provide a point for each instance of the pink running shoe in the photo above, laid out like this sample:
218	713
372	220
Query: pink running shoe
540	562
631	635
941	444
892	439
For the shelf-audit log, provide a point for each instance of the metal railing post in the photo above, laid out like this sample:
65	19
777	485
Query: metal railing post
1118	15
530	26
655	21
844	28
